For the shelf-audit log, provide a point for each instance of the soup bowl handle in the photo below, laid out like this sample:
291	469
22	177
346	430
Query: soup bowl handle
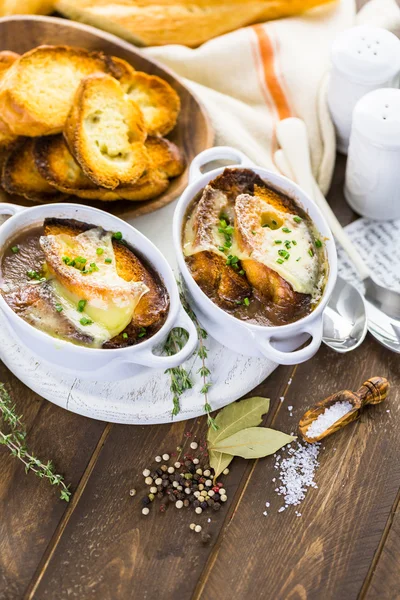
10	209
148	359
217	153
297	356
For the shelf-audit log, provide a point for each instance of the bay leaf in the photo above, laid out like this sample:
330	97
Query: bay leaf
237	416
252	442
219	461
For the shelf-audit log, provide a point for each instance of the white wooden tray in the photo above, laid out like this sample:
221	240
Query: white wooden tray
146	397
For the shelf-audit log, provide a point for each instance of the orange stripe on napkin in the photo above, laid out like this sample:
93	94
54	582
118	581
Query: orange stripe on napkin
271	79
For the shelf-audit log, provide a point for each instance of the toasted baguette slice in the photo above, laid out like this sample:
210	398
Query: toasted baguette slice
122	70
38	89
105	133
153	305
7	138
56	164
20	175
158	101
7	58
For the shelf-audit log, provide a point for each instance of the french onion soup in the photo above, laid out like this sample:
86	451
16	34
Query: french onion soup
80	283
253	251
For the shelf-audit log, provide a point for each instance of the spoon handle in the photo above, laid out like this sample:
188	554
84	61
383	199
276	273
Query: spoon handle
373	391
293	139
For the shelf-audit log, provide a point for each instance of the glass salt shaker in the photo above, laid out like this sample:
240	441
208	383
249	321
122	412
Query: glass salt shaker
363	59
372	186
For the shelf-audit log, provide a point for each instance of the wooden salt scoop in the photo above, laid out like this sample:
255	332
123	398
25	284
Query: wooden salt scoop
372	391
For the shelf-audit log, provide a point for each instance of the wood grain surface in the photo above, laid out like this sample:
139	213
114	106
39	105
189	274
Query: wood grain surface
345	545
192	134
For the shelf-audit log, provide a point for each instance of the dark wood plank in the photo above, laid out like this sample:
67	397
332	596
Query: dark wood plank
385	577
29	507
109	550
331	547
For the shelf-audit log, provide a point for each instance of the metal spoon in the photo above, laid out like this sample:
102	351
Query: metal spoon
293	139
345	318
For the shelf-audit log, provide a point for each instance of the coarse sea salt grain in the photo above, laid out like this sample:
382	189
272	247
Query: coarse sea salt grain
296	473
328	418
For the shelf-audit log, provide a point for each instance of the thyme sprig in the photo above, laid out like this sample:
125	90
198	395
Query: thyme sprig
180	379
15	442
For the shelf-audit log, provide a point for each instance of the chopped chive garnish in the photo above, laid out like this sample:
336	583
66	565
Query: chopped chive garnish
297	219
297	259
278	241
142	332
318	243
33	275
241	272
108	261
117	235
125	336
15	249
238	302
311	252
246	301
93	267
85	321
66	260
81	305
80	260
223	223
287	244
280	261
221	248
232	261
59	307
254	232
99	251
284	254
228	244
294	242
286	230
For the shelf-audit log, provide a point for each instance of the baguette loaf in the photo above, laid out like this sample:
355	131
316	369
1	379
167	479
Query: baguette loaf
38	89
187	22
105	133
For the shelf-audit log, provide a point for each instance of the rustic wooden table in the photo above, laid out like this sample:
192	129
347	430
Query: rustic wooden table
345	545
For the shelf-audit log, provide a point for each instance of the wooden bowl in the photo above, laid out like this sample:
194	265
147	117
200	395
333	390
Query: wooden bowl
192	133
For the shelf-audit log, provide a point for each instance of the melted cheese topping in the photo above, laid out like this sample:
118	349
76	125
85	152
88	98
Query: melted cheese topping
263	232
110	300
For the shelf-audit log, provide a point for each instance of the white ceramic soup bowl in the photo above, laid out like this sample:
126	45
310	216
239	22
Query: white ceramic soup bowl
276	343
95	363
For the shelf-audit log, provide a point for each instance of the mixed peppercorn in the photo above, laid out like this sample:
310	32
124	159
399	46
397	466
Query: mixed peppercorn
184	483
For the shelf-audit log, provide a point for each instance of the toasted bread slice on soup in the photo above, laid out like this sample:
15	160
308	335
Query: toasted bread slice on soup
158	101
105	133
57	165
38	89
20	175
153	304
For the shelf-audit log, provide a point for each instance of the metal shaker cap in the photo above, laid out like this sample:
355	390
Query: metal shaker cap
367	55
376	117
